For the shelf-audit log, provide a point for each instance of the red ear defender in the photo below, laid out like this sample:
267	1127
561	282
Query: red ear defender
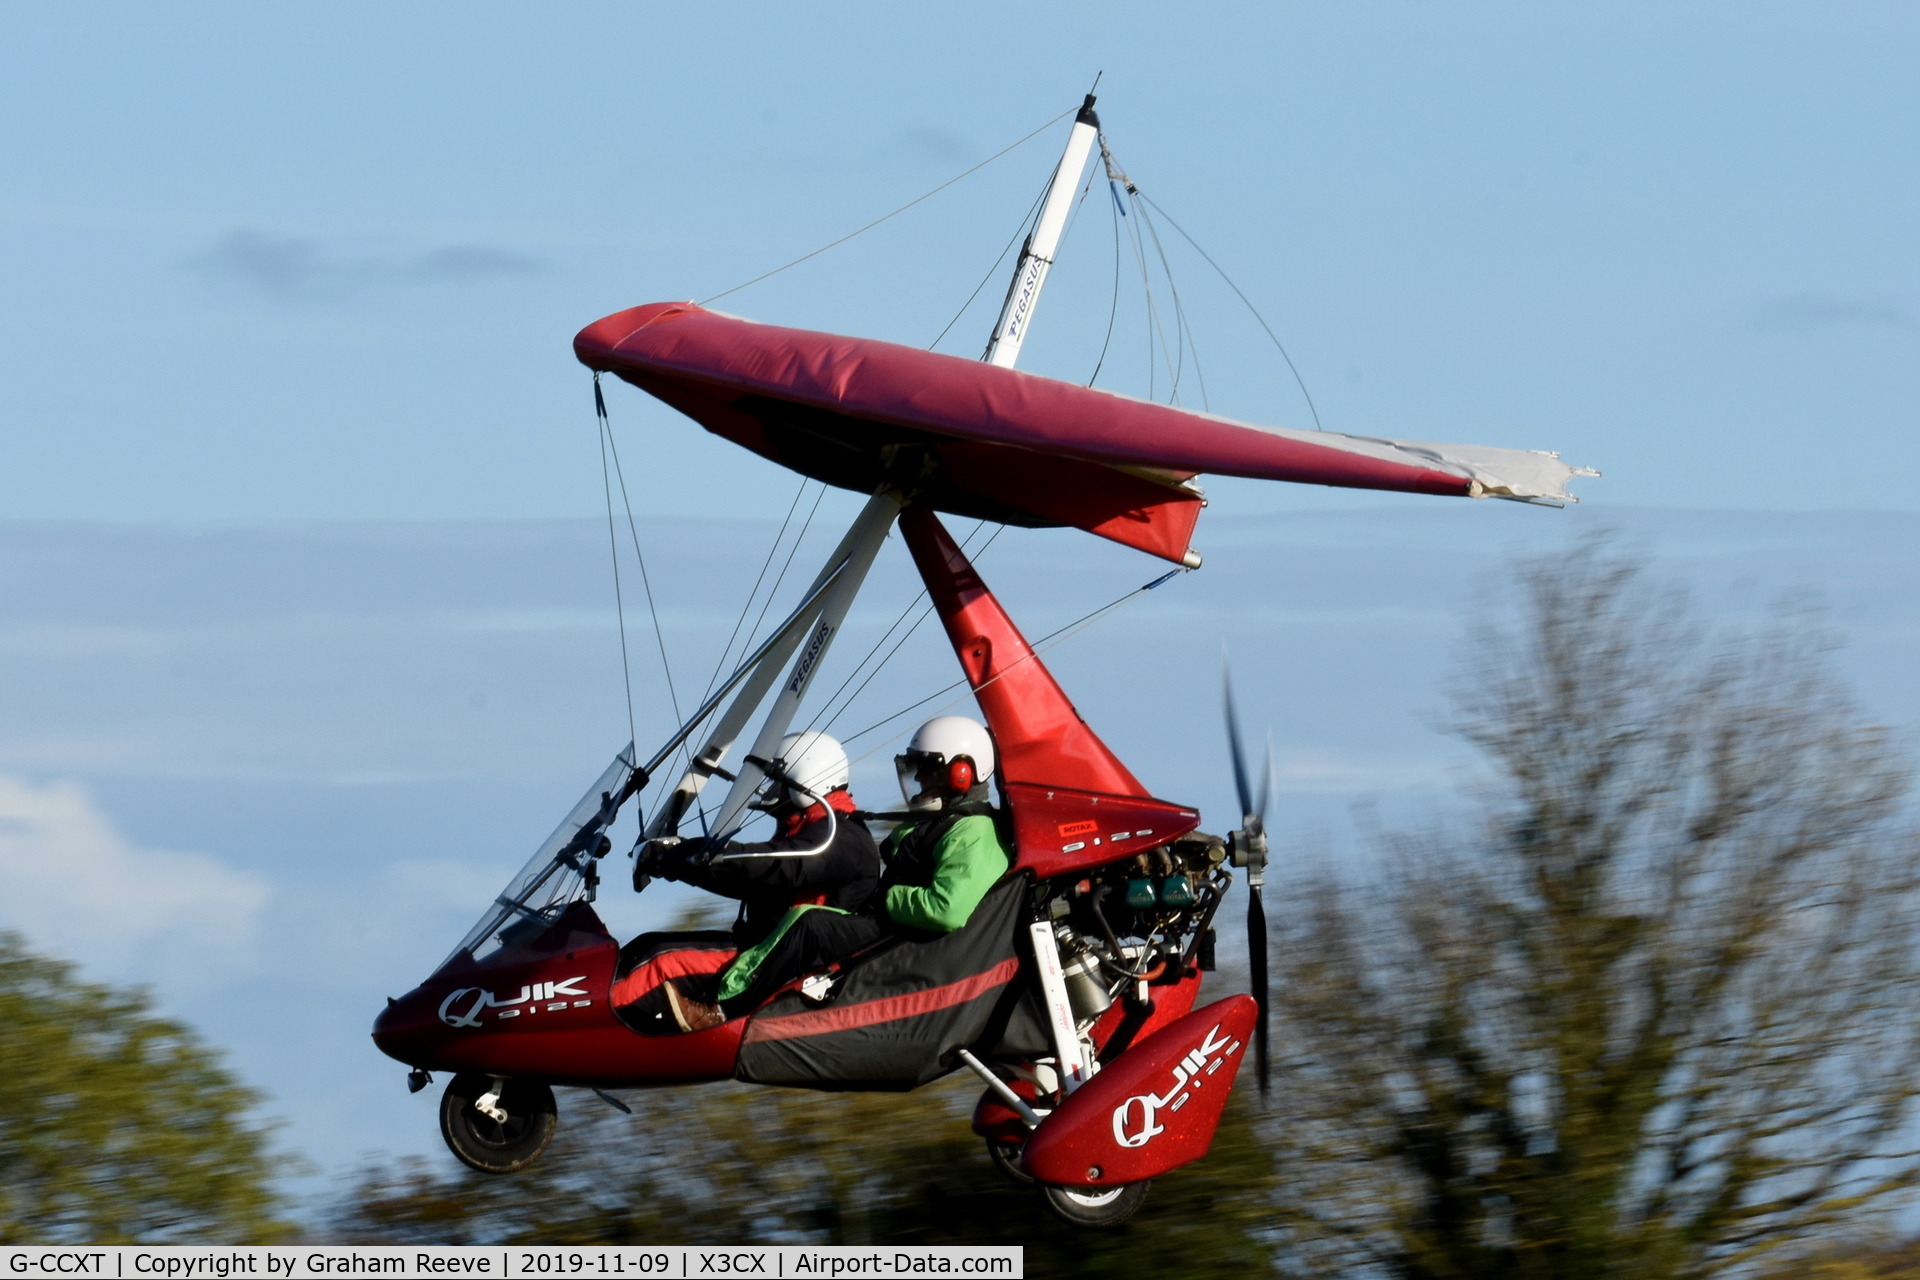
960	776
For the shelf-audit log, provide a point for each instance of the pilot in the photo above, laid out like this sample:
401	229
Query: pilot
820	859
940	863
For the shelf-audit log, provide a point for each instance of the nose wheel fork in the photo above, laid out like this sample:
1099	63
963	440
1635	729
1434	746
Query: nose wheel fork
497	1125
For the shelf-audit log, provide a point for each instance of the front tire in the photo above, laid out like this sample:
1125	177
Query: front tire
1096	1207
492	1145
1006	1161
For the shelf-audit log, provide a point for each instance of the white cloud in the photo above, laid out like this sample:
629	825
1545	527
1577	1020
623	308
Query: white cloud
294	268
79	889
1811	310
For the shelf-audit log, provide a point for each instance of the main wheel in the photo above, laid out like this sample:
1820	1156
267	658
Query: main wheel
1096	1206
505	1143
1006	1161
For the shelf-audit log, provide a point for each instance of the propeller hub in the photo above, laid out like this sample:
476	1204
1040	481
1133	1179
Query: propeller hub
1250	848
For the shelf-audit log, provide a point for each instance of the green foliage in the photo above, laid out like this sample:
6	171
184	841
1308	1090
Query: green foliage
729	1163
115	1125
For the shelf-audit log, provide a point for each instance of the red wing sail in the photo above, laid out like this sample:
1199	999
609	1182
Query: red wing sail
1074	804
976	440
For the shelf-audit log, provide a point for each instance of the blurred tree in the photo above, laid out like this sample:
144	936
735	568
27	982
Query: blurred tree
115	1125
737	1164
1863	1262
1654	1015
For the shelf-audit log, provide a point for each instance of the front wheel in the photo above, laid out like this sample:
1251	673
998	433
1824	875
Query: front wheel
496	1131
1006	1161
1096	1206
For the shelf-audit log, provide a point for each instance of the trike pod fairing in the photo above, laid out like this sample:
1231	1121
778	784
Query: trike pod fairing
1071	990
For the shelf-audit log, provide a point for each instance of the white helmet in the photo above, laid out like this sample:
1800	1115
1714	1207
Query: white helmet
939	743
815	761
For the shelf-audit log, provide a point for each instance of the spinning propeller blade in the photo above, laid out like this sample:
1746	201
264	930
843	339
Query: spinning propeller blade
1233	739
1250	851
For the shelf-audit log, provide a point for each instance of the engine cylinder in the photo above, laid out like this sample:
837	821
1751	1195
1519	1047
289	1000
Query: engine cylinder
1085	990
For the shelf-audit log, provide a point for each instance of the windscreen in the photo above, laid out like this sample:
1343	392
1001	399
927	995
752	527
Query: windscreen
555	876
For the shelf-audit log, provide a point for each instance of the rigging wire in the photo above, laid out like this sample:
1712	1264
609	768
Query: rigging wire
786	564
1156	327
1248	302
613	547
1177	361
1187	342
1013	240
1155	330
902	209
726	650
1113	307
860	666
1052	639
646	582
925	613
846	706
1073	215
1116	179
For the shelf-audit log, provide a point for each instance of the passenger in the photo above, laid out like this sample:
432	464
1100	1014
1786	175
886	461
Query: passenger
939	867
821	860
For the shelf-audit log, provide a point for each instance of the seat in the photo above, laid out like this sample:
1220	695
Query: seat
900	1013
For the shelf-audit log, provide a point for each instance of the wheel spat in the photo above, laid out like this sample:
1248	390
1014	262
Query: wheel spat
1250	851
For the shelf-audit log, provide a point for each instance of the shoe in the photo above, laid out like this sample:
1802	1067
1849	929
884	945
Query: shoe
691	1014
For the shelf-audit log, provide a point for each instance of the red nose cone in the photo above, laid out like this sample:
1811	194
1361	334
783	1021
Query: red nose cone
408	1029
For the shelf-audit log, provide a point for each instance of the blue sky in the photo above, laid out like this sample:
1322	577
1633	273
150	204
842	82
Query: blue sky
326	262
306	631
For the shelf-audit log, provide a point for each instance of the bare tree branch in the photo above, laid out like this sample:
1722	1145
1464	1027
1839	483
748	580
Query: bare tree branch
1650	1017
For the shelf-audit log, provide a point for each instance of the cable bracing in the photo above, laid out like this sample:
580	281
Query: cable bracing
613	547
768	275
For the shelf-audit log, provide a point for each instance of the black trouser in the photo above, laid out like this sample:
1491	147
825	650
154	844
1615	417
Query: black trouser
814	941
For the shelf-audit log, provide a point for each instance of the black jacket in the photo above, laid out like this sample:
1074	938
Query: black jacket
844	875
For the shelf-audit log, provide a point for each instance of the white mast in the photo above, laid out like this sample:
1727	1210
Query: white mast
1016	313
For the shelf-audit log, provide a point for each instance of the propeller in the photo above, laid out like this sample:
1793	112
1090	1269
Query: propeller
1249	845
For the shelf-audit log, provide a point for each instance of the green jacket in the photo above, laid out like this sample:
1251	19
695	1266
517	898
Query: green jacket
937	888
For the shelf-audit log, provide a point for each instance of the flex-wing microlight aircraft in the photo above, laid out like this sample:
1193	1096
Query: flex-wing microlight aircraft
1071	992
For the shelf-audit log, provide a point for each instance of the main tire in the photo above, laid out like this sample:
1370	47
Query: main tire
1096	1206
497	1146
1006	1161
